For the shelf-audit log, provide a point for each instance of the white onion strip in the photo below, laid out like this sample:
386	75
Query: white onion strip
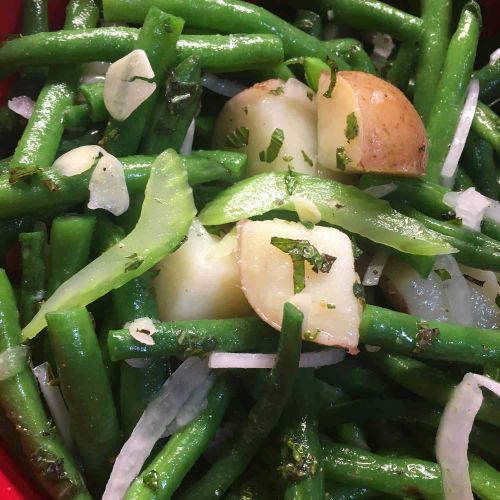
453	434
12	361
450	164
22	105
187	144
375	268
158	415
55	402
247	360
221	86
494	56
471	206
381	190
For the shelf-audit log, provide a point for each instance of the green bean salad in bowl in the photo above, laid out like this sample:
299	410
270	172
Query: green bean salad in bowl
252	253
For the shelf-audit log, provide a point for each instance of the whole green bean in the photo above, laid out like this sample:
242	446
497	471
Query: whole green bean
50	190
343	492
218	53
402	67
354	55
35	17
94	97
77	116
486	124
81	14
20	400
86	390
402	477
89	137
70	240
301	460
157	38
462	180
401	333
263	416
449	93
309	22
432	47
485	479
33	274
489	81
177	338
352	434
183	449
227	16
429	383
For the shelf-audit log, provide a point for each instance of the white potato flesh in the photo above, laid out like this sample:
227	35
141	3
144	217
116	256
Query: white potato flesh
263	108
331	311
200	280
390	135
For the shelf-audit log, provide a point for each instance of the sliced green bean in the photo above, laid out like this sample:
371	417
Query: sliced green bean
486	124
94	97
485	479
218	53
449	94
489	82
309	22
35	17
352	434
402	67
81	14
89	137
263	416
462	180
342	492
77	116
20	400
86	390
181	452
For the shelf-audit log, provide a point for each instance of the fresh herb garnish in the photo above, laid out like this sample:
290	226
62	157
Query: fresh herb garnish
425	335
288	158
342	158
290	181
272	151
306	158
23	173
333	78
278	90
151	480
474	280
331	306
443	274
359	291
299	462
311	336
245	110
51	185
356	251
307	224
352	128
301	251
238	138
310	96
135	262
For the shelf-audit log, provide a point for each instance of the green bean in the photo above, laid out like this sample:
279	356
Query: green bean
449	93
486	124
89	137
371	16
402	67
77	116
429	383
432	47
485	480
157	38
309	22
352	434
81	14
20	400
402	477
401	333
33	274
353	54
94	97
342	492
181	452
178	105
86	390
479	162
35	17
70	239
217	53
177	338
50	190
462	180
489	82
228	16
301	461
263	416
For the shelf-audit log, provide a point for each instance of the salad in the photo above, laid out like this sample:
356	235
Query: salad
251	253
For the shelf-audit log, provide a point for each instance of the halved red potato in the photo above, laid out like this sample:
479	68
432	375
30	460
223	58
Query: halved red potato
368	125
332	312
274	123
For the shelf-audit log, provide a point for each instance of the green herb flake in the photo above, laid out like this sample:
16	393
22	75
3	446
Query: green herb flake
51	185
331	306
287	158
356	251
245	110
290	181
299	462
306	158
333	78
278	90
23	173
135	262
272	151
310	95
311	336
443	274
151	480
474	280
425	336
238	138
359	291
352	128
301	251
342	158
307	224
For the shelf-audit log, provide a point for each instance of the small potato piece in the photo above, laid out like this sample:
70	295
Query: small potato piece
390	136
331	311
200	280
258	112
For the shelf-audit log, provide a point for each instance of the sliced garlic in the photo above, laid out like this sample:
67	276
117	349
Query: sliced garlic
78	160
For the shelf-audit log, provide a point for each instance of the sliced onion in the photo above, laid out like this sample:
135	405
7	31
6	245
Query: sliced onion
383	45
94	72
107	186
453	434
306	209
124	91
494	56
142	330
55	402
152	424
22	105
470	206
381	190
221	86
139	363
375	268
12	361
187	145
78	160
450	164
246	360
